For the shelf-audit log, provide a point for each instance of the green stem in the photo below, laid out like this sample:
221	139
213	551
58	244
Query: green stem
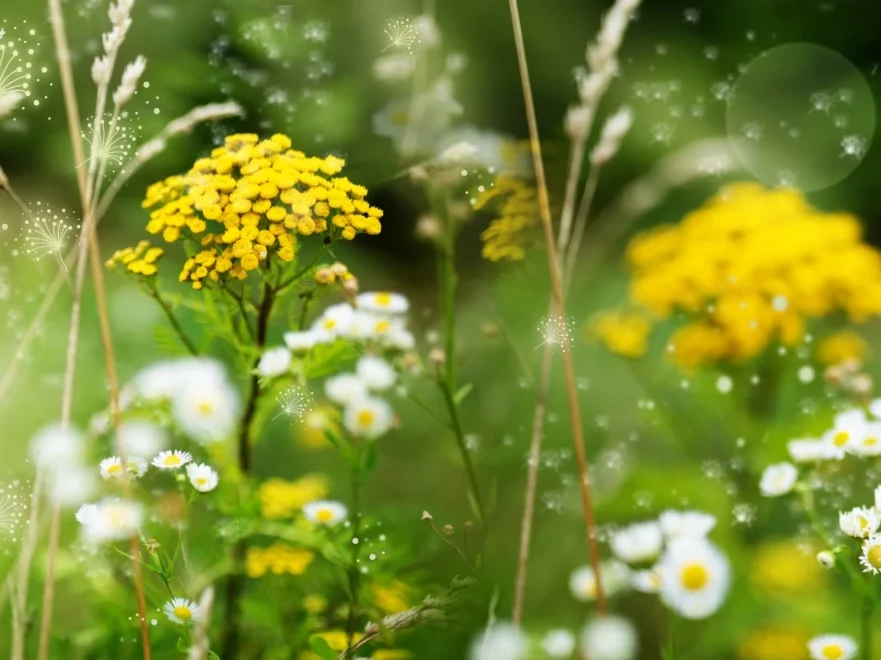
354	573
866	628
670	653
447	380
169	313
304	310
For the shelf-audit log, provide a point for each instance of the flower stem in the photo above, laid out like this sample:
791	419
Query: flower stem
235	585
354	574
866	628
169	313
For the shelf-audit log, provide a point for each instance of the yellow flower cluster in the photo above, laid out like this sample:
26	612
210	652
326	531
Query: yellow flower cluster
507	235
252	197
841	347
391	598
311	433
330	274
278	559
781	569
747	269
623	333
338	640
282	499
140	260
775	643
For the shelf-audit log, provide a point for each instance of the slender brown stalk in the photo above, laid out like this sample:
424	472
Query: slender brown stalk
87	240
559	303
532	483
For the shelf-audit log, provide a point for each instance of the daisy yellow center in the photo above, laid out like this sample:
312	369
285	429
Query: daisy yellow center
832	652
873	556
383	299
870	442
114	518
324	515
863	523
205	407
201	481
400	118
383	326
329	324
116	468
365	417
840	439
183	612
171	460
694	577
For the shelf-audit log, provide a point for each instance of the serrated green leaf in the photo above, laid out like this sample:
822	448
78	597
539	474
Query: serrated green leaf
325	359
168	341
463	392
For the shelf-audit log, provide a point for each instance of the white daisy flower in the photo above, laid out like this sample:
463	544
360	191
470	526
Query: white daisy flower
875	408
382	328
846	433
167	379
860	523
136	466
299	342
203	477
686	524
333	323
808	450
870	557
402	340
382	302
869	442
325	512
393	68
778	479
111	468
54	448
648	581
501	641
208	412
345	388
583	584
86	514
832	647
637	543
369	417
274	362
111	520
558	643
609	638
182	611
377	374
141	438
172	460
695	577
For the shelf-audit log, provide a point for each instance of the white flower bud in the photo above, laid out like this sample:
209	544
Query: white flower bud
826	559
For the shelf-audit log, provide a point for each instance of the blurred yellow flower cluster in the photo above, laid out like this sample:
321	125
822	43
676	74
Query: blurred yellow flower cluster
253	196
311	433
783	569
517	205
774	644
338	640
278	559
842	347
391	598
746	269
140	260
624	333
282	499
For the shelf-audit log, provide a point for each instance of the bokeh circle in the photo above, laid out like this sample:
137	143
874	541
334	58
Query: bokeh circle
802	116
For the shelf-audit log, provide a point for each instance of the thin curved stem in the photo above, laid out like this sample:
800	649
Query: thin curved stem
559	304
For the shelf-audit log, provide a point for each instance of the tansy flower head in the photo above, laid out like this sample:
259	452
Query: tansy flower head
516	204
747	269
250	201
325	512
138	260
182	611
172	460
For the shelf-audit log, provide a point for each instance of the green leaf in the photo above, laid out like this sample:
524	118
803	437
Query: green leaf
322	648
463	392
183	645
168	341
325	359
212	655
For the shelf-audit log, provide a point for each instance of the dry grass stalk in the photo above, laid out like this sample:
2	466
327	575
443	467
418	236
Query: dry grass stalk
558	302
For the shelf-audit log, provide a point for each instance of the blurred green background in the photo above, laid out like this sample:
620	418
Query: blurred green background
682	452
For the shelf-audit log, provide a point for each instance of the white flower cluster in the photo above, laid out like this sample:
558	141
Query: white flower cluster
671	557
203	403
853	432
606	638
364	413
60	456
375	320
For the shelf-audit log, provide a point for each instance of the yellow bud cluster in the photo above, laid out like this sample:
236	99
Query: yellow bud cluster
251	199
282	499
140	260
330	274
278	559
517	206
748	268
